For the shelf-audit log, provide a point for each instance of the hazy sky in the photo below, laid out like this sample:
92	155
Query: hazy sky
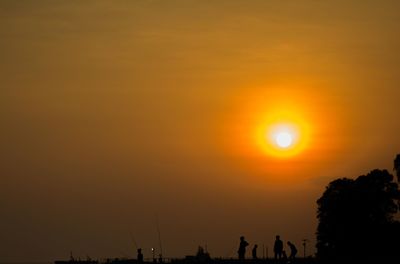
114	112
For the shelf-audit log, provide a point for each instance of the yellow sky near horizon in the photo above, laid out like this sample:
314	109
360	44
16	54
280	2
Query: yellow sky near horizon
118	110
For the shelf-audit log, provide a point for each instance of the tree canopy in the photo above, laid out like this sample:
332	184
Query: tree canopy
357	217
397	166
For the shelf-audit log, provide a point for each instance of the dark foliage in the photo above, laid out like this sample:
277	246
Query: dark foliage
397	167
356	218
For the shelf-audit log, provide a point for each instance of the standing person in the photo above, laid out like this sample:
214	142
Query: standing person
293	250
278	247
254	252
242	248
139	255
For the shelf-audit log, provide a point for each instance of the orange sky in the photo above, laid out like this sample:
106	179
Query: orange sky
114	112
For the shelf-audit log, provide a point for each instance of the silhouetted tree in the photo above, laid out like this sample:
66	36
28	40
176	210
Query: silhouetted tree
397	167
356	218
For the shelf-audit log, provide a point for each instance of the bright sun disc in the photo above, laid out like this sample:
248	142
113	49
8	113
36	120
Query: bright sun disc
284	139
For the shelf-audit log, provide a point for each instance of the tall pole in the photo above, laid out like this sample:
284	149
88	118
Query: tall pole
159	238
304	247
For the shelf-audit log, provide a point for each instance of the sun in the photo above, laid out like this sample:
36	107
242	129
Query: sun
275	123
283	139
283	136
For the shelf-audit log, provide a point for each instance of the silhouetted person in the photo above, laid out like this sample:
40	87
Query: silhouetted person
278	247
242	248
254	252
160	259
139	255
293	250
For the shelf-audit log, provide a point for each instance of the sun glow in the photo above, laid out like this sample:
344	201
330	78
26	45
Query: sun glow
282	134
277	125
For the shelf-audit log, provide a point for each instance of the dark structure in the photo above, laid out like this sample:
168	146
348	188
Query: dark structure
202	255
73	260
356	218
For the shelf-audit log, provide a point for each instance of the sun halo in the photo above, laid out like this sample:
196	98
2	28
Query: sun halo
282	139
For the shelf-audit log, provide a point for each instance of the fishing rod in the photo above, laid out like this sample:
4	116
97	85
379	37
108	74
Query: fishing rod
133	240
